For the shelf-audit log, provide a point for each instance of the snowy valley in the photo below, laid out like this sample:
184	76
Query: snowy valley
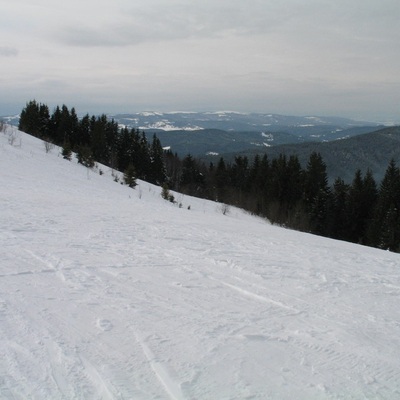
108	292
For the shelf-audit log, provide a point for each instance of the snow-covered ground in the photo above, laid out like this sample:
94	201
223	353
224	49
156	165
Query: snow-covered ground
112	293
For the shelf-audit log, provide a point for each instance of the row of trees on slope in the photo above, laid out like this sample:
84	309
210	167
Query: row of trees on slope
279	189
96	138
301	198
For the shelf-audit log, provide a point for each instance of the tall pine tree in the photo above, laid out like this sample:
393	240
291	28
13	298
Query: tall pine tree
385	229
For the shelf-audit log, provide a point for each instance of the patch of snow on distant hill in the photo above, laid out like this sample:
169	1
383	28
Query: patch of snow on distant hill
165	125
268	136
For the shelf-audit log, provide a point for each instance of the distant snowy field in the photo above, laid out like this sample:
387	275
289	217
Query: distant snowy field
112	293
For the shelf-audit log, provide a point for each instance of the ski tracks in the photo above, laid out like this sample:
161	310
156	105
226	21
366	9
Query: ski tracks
51	266
316	351
171	386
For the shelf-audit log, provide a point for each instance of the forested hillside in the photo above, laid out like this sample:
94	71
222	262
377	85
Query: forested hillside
278	188
96	138
371	151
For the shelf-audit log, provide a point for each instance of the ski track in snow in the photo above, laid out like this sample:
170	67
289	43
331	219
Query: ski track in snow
171	386
112	293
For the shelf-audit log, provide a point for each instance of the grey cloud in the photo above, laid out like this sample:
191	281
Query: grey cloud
177	21
173	20
89	37
6	51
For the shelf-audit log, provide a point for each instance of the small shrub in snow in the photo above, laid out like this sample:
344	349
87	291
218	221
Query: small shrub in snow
48	145
225	209
13	136
165	191
166	194
11	139
130	176
85	156
66	151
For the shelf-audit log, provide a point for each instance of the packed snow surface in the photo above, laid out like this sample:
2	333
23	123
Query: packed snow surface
112	293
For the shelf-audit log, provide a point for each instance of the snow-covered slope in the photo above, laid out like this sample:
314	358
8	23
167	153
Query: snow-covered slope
112	293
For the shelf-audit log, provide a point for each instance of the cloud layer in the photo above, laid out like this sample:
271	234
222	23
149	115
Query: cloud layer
289	57
6	51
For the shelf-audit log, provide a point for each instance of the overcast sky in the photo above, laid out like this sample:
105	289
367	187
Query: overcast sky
294	57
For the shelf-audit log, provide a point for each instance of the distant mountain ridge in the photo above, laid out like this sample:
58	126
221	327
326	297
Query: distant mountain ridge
230	121
226	120
345	145
204	133
372	151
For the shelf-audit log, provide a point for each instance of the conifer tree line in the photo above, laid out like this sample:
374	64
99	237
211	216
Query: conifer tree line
299	198
279	189
96	138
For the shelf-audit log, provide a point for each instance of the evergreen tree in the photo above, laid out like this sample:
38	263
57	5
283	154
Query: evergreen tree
165	191
278	190
385	228
316	178
316	194
44	121
55	122
389	238
166	194
221	181
64	128
173	167
34	119
368	204
130	176
238	177
157	172
191	180
112	137
125	148
320	213
85	156
294	190
285	190
98	142
240	173
294	182
262	186
339	216
361	204
356	221
254	171
141	156
83	137
66	151
73	132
